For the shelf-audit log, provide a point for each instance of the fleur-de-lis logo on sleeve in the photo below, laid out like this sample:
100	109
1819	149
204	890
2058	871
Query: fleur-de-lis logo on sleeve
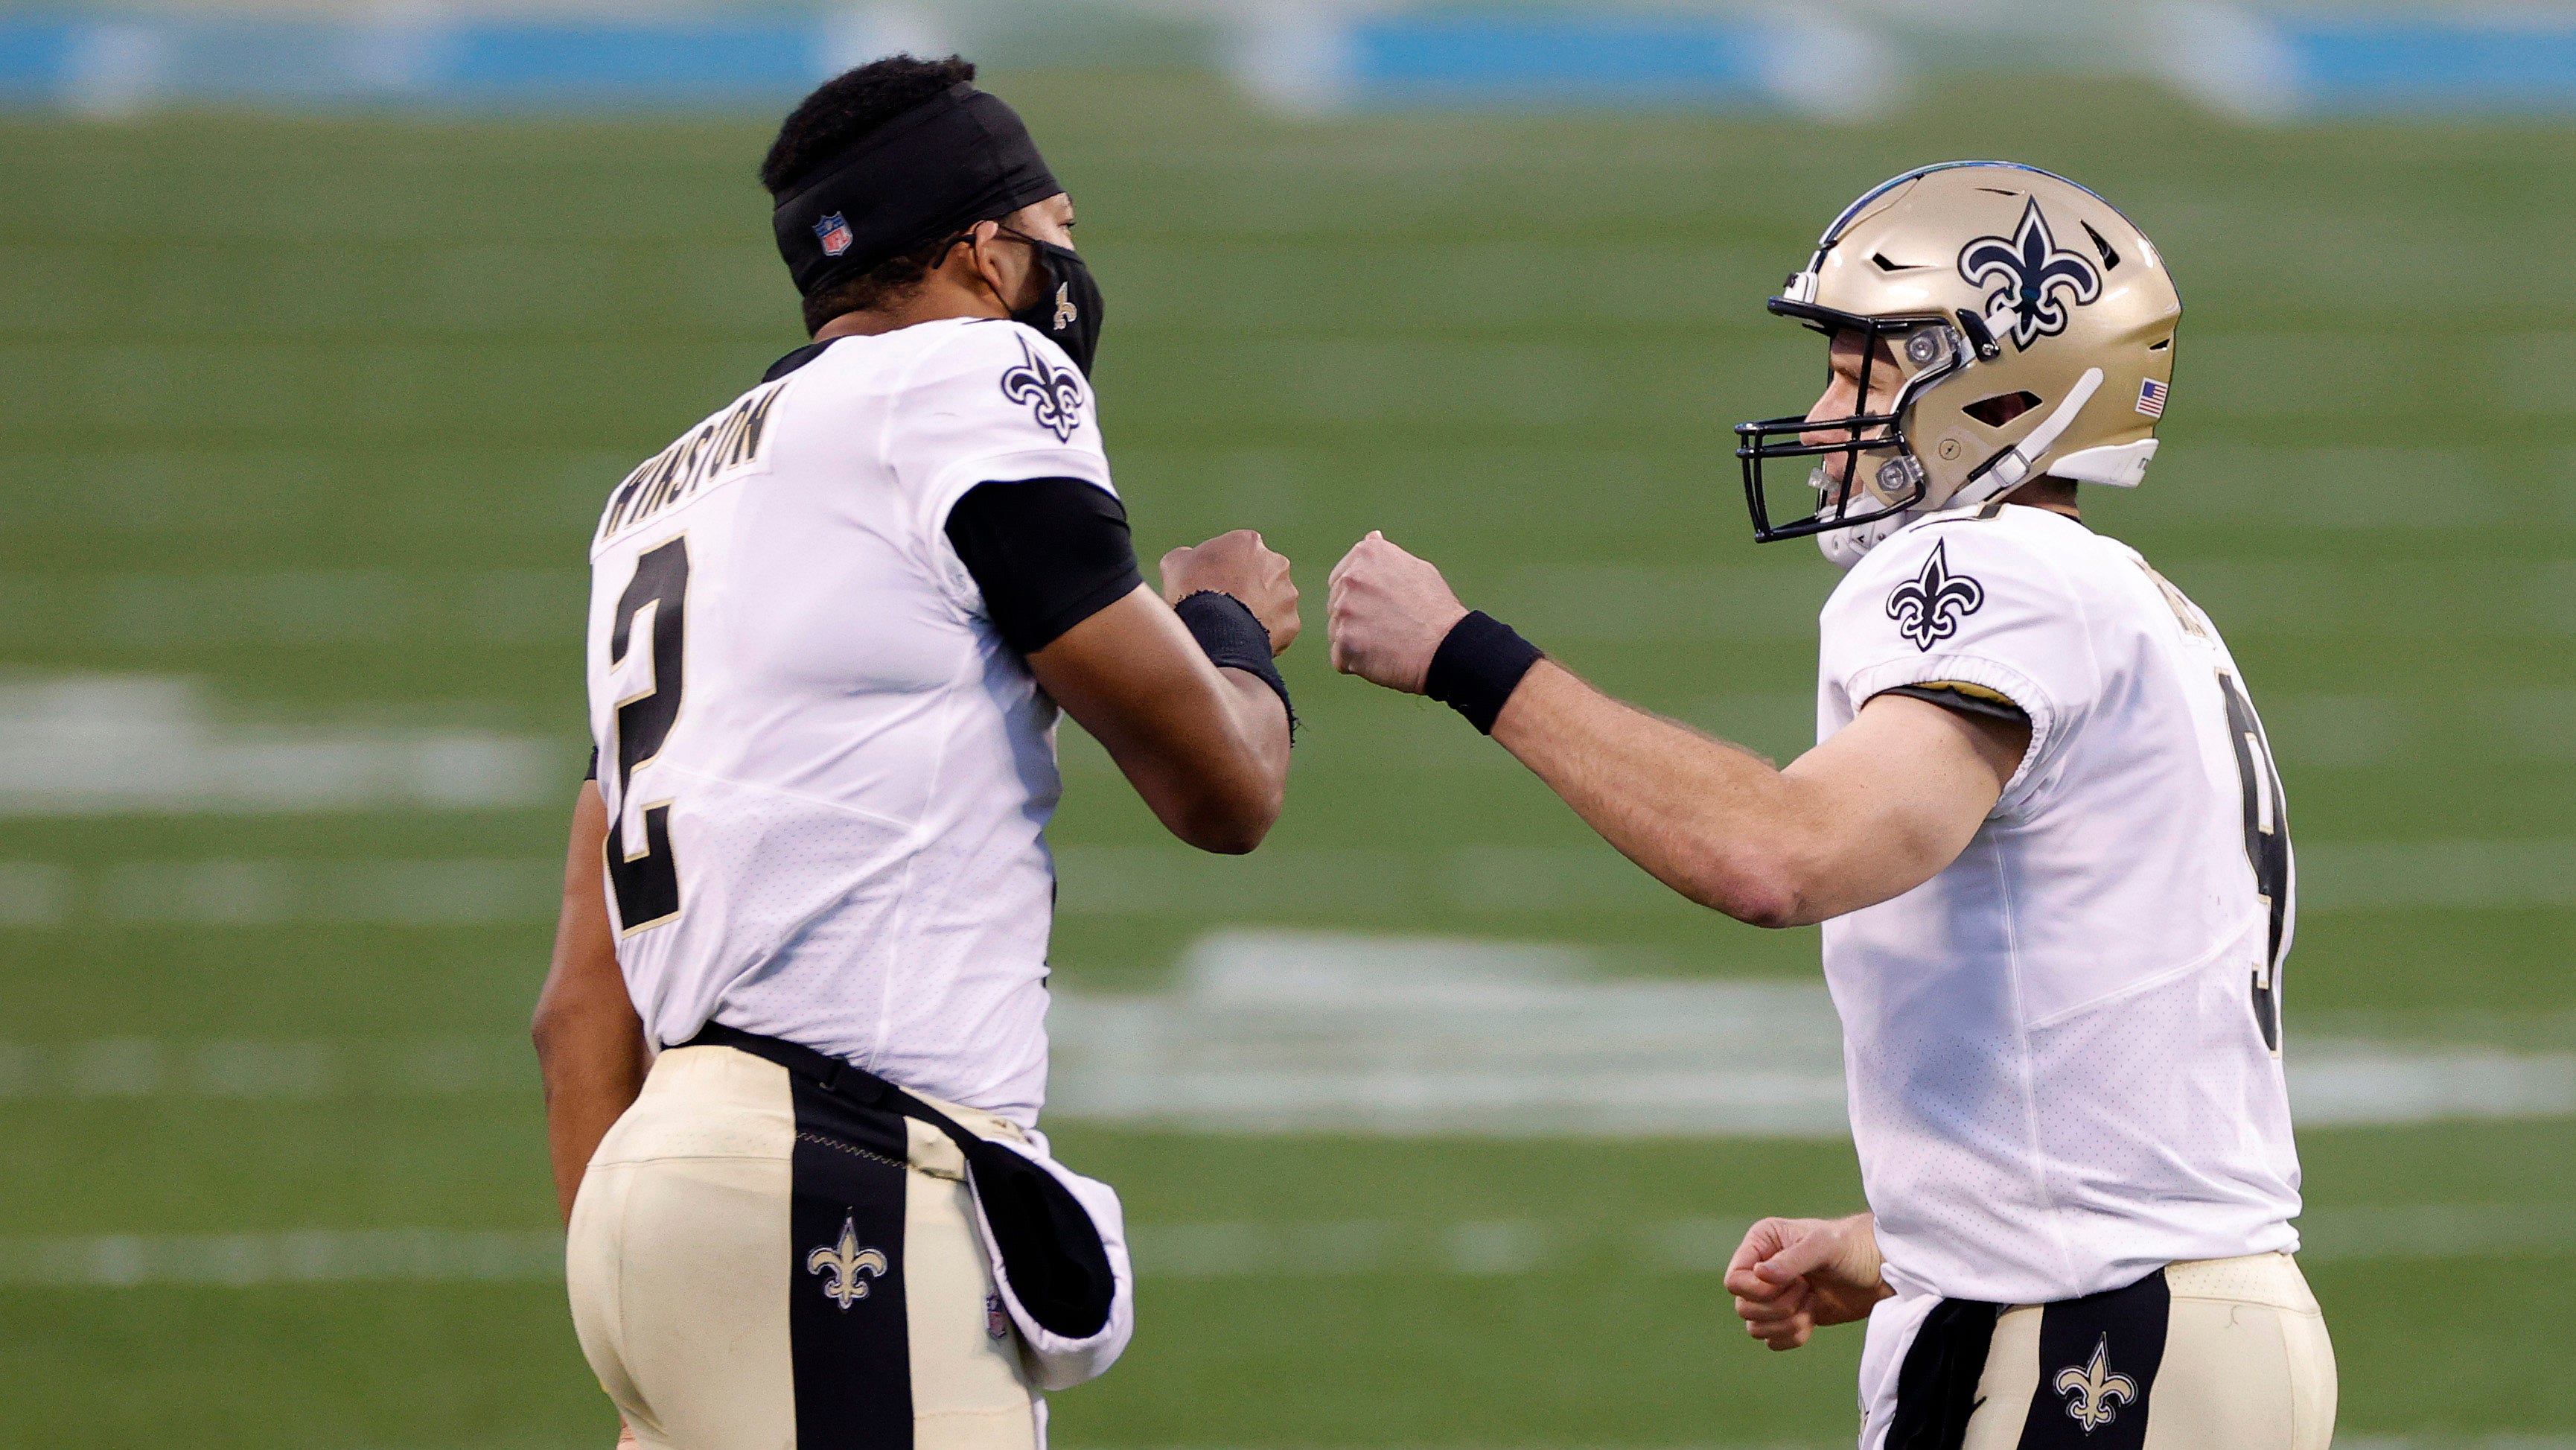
842	1264
2094	1394
2035	277
1929	606
1053	394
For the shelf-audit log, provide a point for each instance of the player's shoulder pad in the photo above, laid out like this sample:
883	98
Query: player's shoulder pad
1004	369
1929	580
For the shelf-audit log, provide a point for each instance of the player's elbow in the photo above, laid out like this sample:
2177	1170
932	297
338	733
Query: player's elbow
1772	905
551	1025
1227	800
1767	891
1230	822
1772	911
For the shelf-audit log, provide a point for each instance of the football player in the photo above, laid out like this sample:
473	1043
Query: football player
2041	829
800	980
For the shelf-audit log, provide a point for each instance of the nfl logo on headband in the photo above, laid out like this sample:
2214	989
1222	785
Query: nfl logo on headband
834	233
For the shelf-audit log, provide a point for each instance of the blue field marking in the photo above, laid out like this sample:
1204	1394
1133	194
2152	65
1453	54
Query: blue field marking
714	59
2419	64
1593	59
685	60
2260	61
681	62
35	53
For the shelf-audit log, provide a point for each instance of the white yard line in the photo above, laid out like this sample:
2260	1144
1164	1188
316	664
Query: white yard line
1262	1032
312	1256
1320	885
1334	1248
78	745
1112	880
234	892
218	1068
1280	1031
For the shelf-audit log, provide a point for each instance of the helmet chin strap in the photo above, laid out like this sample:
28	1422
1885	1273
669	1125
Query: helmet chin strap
1844	547
2013	465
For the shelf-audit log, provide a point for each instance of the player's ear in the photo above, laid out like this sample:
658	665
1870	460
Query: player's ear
978	258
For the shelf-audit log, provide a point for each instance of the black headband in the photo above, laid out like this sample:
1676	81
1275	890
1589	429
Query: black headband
959	158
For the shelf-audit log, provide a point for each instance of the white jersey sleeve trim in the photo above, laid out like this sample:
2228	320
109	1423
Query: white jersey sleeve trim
2001	678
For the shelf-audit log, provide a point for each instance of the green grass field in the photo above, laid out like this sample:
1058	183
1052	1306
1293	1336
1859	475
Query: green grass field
317	413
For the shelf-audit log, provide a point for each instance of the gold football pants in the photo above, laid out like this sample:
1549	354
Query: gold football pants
2216	1354
756	1263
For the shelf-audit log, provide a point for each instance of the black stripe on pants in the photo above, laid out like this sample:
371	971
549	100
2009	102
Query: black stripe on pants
846	1320
2098	1357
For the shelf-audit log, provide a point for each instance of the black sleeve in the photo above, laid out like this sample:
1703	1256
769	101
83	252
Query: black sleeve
1048	553
593	772
1974	701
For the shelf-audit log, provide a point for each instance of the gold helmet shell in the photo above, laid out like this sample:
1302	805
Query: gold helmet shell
2032	331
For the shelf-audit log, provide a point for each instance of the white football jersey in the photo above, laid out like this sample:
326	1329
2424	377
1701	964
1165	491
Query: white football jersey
2063	1050
827	776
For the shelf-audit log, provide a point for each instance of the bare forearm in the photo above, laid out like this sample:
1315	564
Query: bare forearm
1219	778
1261	724
1207	748
1869	814
1712	821
592	1076
590	1043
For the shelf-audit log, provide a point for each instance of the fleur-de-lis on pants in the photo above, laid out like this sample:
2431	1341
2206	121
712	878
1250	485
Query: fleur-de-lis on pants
2095	1393
843	1263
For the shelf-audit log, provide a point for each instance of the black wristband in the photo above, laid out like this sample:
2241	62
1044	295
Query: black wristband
1478	666
1226	628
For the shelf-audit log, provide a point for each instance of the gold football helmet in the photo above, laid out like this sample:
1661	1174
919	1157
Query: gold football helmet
2032	331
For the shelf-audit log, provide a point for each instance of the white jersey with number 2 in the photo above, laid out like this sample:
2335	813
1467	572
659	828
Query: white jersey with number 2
827	776
2063	1051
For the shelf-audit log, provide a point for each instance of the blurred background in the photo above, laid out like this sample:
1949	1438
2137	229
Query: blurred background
325	328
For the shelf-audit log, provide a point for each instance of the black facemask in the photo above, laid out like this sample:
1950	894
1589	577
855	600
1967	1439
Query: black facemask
1068	306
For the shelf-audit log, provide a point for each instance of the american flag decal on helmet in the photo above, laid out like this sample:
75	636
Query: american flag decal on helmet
2151	397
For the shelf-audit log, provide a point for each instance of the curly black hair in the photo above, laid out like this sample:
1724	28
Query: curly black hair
840	111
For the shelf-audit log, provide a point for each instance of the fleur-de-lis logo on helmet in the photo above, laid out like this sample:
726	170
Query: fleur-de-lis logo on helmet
1929	606
842	1264
2035	277
2093	1393
1054	395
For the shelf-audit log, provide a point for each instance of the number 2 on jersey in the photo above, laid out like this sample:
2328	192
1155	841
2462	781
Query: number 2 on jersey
647	878
2267	848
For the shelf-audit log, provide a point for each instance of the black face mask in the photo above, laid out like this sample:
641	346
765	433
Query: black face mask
1068	306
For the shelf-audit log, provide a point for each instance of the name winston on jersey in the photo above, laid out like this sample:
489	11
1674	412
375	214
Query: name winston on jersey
725	444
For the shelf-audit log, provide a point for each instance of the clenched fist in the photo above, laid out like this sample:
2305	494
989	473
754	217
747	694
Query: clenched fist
1239	564
1386	614
1792	1274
